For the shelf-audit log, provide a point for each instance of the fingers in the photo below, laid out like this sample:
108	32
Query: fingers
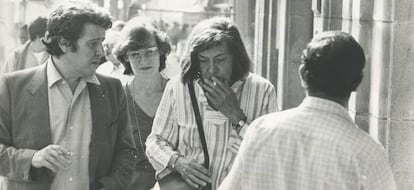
209	87
222	85
46	163
191	183
53	157
62	150
200	173
196	177
194	174
59	156
57	161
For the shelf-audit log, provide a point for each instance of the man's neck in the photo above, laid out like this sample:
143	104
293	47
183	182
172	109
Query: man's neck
36	46
61	65
342	101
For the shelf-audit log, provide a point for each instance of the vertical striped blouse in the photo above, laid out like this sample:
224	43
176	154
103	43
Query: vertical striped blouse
175	131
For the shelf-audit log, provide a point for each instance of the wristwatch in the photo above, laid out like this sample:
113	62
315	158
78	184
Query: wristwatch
241	123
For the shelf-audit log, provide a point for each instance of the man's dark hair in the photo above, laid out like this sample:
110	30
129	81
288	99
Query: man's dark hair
334	63
37	28
136	35
210	33
68	21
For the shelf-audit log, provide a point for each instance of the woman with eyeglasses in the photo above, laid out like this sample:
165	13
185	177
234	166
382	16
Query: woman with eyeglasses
142	48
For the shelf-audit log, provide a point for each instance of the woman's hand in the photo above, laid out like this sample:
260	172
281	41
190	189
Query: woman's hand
223	99
192	173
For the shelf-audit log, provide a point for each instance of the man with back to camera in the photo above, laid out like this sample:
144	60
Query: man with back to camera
315	146
61	125
32	53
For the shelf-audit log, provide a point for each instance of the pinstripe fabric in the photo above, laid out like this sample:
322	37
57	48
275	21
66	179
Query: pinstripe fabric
313	147
175	130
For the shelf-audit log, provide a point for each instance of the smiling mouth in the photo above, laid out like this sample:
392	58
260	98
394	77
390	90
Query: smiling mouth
145	68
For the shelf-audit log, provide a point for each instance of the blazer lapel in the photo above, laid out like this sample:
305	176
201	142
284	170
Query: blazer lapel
40	119
99	104
100	119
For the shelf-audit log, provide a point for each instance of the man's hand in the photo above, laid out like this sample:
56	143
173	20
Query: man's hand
193	174
223	98
54	157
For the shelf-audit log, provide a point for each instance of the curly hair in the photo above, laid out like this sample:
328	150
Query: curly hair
68	21
136	35
334	62
210	33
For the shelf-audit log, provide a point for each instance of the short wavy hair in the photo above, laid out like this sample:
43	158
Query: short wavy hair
209	33
68	21
37	28
136	35
334	63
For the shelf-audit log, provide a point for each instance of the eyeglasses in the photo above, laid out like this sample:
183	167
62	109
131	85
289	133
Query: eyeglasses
137	55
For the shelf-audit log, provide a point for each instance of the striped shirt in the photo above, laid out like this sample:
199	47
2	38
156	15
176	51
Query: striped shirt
313	146
175	130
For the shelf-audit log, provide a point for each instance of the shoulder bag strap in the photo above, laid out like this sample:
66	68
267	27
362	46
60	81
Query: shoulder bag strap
199	124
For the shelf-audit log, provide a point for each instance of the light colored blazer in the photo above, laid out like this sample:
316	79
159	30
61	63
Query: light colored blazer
22	58
25	128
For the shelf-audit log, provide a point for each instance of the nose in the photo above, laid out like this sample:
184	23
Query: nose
144	60
100	50
212	67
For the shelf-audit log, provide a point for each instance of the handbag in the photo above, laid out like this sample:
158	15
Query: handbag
174	181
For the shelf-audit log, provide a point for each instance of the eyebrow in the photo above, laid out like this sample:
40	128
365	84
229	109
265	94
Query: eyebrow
95	39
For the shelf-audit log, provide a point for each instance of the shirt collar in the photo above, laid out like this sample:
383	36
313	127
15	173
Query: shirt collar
54	76
236	85
324	105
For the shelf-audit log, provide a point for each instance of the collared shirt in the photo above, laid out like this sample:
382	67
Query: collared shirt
313	146
71	127
174	130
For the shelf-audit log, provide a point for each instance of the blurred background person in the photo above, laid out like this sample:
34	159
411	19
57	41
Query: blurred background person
32	53
174	34
142	49
118	25
182	41
112	67
23	34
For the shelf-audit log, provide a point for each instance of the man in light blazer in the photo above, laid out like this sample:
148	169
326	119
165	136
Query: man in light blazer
61	125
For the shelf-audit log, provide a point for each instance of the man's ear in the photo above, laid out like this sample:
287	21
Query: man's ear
303	75
65	45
